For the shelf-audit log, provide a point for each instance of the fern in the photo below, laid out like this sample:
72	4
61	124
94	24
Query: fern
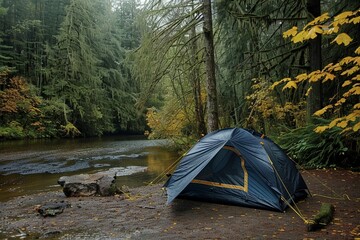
315	150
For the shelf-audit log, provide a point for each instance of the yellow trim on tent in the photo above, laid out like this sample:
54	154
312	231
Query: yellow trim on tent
217	184
244	188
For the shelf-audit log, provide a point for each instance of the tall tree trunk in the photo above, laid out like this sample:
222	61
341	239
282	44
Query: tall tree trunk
199	110
212	107
315	98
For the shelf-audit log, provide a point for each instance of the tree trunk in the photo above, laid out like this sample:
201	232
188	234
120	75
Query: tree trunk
212	107
199	110
315	98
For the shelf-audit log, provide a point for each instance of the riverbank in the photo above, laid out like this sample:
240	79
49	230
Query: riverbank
35	166
144	215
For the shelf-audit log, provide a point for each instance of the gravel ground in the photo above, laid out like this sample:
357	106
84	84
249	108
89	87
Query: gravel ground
144	215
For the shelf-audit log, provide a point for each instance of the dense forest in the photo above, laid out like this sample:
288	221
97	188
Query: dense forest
179	69
64	69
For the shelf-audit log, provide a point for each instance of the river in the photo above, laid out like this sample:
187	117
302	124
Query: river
32	166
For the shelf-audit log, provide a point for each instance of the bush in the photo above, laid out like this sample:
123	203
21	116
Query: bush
316	150
12	131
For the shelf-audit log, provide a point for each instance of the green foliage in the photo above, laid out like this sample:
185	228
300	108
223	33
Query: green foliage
70	130
51	118
91	78
2	9
12	130
72	54
120	35
314	150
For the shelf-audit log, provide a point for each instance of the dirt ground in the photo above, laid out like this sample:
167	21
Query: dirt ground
145	216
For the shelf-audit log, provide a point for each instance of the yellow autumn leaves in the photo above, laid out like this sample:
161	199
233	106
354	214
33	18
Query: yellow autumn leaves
319	26
342	38
264	105
167	123
348	67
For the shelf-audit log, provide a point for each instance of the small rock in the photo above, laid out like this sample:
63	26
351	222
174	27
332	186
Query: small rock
52	209
51	234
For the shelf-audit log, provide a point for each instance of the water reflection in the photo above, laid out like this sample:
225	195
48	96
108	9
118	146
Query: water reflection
34	166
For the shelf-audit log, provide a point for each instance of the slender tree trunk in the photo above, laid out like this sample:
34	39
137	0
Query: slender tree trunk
315	98
199	110
212	107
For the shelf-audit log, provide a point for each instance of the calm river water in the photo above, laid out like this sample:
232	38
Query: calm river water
35	165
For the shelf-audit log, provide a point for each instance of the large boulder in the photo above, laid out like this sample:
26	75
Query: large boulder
98	184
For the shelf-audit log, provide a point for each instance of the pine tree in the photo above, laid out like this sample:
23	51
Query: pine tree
74	68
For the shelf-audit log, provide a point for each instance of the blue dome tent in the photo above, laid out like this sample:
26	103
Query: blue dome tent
240	167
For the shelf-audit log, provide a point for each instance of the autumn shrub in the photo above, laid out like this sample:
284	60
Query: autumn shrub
268	114
23	114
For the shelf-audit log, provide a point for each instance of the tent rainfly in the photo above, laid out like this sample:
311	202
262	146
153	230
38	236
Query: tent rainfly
240	167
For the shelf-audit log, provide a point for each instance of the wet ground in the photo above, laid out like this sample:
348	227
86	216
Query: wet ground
144	215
